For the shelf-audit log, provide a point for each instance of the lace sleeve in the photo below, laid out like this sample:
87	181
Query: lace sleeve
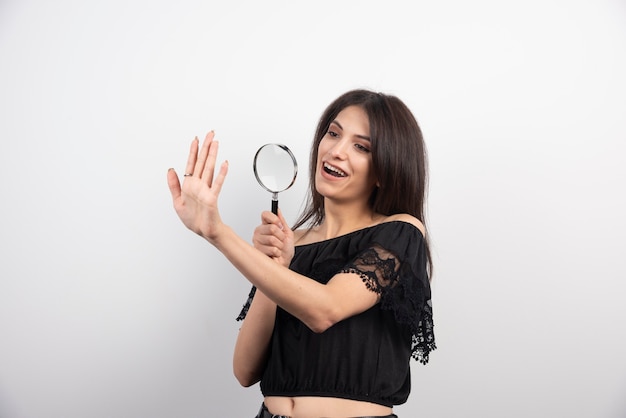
246	306
401	280
377	267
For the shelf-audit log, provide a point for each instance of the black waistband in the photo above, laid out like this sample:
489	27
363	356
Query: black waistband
264	413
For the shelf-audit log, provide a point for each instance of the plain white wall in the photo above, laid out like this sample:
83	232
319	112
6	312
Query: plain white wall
110	308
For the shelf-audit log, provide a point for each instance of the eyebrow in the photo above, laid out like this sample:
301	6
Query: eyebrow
367	138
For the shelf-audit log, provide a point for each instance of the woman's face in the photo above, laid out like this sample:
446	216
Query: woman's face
344	160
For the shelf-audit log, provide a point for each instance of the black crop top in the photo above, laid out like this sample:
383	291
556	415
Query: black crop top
364	357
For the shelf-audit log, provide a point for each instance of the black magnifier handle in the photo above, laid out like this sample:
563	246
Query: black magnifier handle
275	203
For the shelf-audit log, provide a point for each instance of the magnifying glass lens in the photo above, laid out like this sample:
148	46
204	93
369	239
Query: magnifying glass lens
275	168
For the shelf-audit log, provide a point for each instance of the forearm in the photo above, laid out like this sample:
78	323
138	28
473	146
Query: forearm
304	298
253	340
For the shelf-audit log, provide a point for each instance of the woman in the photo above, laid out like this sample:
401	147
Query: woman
343	303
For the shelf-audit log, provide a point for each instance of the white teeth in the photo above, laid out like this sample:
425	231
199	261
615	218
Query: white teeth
334	169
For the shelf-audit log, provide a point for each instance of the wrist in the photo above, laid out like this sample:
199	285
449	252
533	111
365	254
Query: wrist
218	235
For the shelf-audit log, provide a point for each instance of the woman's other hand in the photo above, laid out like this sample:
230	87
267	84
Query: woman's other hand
274	238
196	201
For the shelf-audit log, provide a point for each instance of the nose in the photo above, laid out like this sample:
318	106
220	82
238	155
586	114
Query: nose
339	149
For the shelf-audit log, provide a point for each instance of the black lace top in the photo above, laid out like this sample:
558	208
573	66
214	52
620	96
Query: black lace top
364	357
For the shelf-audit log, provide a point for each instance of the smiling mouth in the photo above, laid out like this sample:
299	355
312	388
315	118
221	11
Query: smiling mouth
333	171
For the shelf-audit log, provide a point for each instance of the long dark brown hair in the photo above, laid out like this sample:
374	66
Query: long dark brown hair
398	155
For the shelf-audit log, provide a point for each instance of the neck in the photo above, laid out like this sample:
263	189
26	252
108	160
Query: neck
340	219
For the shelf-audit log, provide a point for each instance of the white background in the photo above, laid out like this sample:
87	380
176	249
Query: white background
110	308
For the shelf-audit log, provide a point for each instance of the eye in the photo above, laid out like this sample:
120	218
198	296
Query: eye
332	133
362	148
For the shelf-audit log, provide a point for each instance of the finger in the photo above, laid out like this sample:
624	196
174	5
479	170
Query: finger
173	183
283	222
281	218
193	155
267	238
286	229
268	217
269	241
269	251
219	180
274	236
209	167
199	167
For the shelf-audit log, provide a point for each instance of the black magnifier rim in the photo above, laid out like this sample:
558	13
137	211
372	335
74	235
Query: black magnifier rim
293	159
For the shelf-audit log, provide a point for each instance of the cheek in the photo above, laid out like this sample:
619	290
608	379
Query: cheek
322	147
368	166
316	170
371	175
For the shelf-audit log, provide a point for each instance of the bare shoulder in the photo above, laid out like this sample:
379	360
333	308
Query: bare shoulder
405	217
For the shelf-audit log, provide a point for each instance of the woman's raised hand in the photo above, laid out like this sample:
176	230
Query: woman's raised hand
196	201
274	238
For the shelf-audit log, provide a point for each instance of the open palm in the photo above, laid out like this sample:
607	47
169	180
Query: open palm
195	201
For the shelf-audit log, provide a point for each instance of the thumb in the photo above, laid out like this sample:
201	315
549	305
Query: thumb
173	183
282	220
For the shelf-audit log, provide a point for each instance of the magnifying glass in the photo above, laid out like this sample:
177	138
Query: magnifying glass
275	168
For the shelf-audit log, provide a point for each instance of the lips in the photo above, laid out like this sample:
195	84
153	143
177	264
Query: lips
333	171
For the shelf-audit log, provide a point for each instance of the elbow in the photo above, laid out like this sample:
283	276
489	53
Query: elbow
320	326
323	315
245	378
246	383
320	323
245	374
